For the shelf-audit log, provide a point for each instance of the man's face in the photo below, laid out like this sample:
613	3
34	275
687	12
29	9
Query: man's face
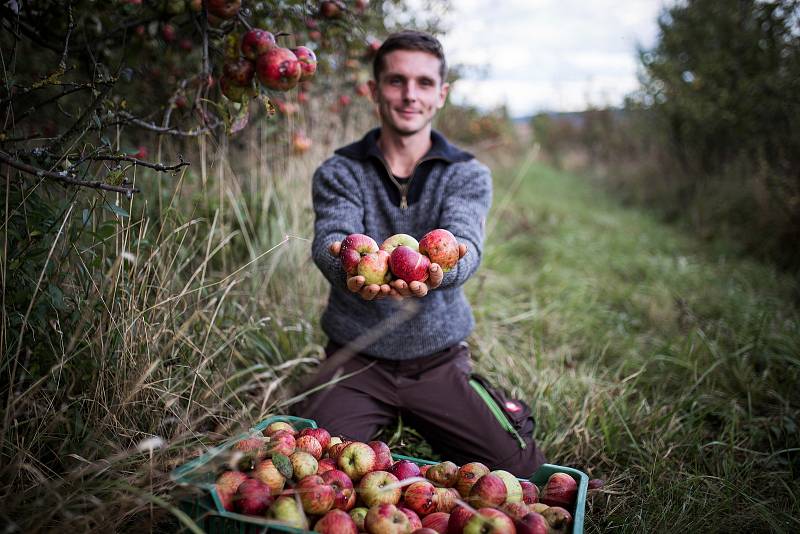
409	91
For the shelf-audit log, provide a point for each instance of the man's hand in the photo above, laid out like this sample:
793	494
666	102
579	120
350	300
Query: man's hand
356	283
400	289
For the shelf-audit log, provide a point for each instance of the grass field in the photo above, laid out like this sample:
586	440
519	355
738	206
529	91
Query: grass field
660	364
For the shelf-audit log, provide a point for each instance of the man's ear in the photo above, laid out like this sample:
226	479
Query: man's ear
443	92
373	90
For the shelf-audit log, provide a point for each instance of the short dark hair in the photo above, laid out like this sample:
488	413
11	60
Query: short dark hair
410	40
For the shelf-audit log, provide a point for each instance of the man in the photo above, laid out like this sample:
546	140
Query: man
399	349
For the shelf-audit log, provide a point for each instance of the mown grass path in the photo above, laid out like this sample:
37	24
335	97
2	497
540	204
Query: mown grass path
664	365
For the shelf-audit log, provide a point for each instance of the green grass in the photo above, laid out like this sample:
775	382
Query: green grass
655	362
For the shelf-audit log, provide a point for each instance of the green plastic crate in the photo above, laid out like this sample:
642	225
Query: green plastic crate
205	508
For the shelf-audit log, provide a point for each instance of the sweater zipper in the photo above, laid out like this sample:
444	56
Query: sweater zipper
497	412
403	188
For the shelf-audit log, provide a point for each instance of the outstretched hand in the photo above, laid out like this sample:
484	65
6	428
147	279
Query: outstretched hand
356	283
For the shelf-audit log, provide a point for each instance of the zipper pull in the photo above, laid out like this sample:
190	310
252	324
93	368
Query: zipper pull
403	203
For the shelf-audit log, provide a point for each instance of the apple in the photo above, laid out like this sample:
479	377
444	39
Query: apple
559	490
538	507
374	267
423	531
516	509
224	9
468	474
308	62
412	516
383	456
227	484
373	46
362	89
252	451
443	474
458	518
409	265
358	515
267	473
302	97
532	523
322	435
344	493
421	497
317	496
558	518
239	72
335	450
379	487
336	522
281	442
513	487
325	464
386	519
530	492
344	100
331	9
286	510
278	69
353	247
436	521
253	497
356	460
441	247
301	143
168	32
310	445
278	426
446	499
394	241
303	464
489	490
404	469
256	42
489	521
423	470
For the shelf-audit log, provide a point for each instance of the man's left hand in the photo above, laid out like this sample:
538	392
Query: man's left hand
401	289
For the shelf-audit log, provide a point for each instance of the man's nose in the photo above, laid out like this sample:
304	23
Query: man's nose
410	91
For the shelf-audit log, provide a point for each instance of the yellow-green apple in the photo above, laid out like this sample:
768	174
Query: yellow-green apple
558	518
317	496
446	499
308	62
489	490
278	426
532	523
227	484
421	497
336	522
253	497
404	469
394	241
530	492
256	42
458	518
538	507
240	71
513	487
333	441
358	514
436	521
443	474
288	511
386	519
383	456
413	518
325	464
344	493
224	9
310	445
278	69
379	487
468	474
489	521
374	267
267	473
515	510
353	247
303	464
409	265
441	247
322	435
356	460
559	490
281	442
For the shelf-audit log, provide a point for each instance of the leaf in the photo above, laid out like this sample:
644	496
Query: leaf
283	465
118	210
240	121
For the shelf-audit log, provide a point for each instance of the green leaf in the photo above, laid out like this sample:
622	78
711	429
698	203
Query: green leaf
283	465
118	210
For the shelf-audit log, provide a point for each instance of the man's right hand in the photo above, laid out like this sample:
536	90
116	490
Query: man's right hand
356	283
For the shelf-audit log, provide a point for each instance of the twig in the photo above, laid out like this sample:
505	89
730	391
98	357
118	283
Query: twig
64	178
160	129
156	166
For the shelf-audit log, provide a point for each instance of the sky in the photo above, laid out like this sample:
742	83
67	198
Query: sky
548	55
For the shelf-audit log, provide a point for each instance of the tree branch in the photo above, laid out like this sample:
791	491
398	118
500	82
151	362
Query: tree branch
160	129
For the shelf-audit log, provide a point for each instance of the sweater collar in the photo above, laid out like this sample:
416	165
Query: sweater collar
367	147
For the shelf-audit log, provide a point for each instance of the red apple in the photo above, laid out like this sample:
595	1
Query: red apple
322	435
383	456
356	460
256	42
253	497
379	487
516	510
281	442
374	267
394	241
373	46
358	515
458	518
386	519
249	452
310	445
441	247
226	486
532	523
559	490
489	521
317	496
336	522
303	464
302	97
421	497
443	474
423	531
224	9
344	100
278	69
168	32
344	492
308	62
239	72
267	473
468	474
446	499
408	264
558	518
331	9
530	492
423	470
436	521
412	516
489	490
404	469
325	465
353	247
335	450
513	487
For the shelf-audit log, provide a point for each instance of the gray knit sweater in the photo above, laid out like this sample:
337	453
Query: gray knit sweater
354	192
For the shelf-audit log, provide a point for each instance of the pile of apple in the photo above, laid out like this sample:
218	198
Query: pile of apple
309	478
276	67
399	256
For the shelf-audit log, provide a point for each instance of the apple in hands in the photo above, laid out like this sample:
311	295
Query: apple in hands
374	267
409	265
396	240
441	247
352	248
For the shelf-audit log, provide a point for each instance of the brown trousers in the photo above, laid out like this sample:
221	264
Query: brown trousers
431	393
